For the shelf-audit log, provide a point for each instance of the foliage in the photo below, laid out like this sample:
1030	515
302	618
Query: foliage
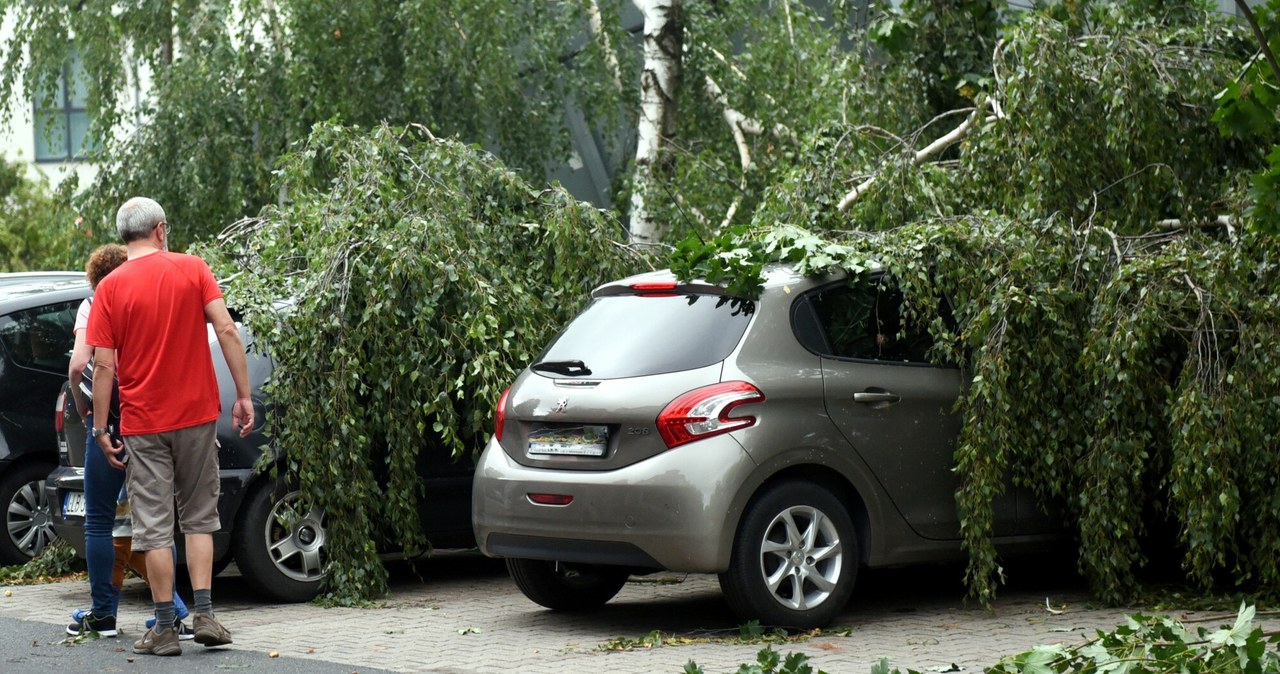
56	562
36	231
950	42
1151	645
1249	107
234	83
1119	339
803	76
749	633
767	662
400	289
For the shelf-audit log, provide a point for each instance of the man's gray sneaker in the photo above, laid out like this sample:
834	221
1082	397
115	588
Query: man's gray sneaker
158	643
210	632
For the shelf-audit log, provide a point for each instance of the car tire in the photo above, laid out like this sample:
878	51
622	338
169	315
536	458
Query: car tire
561	586
280	551
28	517
795	558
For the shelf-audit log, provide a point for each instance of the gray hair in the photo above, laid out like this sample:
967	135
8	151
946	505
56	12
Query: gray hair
137	218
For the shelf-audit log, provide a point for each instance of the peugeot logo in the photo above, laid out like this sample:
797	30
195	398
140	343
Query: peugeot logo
561	406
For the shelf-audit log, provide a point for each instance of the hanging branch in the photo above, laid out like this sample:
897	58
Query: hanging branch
597	29
740	125
930	151
1262	39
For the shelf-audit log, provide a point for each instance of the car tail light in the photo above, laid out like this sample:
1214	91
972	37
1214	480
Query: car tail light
704	412
659	289
500	417
59	416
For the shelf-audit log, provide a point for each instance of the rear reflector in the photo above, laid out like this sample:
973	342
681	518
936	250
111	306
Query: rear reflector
550	499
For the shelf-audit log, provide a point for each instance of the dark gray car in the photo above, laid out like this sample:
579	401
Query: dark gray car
781	443
37	313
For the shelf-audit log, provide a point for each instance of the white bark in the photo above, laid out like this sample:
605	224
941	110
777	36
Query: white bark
659	87
931	150
610	57
740	125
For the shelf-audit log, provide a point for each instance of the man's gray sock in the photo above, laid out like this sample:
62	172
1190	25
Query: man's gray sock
166	614
204	601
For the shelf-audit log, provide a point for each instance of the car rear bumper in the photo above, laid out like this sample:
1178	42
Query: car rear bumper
70	528
672	511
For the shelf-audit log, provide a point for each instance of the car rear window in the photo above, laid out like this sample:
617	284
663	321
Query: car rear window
634	335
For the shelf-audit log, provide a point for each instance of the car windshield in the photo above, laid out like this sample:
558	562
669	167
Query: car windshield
634	335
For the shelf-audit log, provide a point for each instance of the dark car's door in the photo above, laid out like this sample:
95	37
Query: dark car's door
36	352
893	406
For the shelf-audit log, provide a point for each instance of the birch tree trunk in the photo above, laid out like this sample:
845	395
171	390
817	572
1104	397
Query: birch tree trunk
659	90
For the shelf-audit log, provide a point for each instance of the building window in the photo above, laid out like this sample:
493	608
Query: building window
61	121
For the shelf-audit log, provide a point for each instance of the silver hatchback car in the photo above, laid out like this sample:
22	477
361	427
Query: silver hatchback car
781	443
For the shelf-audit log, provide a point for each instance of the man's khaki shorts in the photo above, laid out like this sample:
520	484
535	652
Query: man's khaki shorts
179	466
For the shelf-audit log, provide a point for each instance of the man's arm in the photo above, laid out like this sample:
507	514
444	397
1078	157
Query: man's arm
104	377
233	350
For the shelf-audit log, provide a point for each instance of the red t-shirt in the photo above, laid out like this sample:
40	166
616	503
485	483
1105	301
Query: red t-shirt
151	311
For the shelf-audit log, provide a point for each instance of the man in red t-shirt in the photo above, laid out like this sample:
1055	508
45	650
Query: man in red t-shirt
148	327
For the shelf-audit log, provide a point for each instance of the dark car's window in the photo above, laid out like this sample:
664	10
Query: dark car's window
40	338
866	322
633	335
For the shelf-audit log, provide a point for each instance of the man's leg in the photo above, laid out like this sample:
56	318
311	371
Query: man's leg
151	492
200	561
160	577
197	489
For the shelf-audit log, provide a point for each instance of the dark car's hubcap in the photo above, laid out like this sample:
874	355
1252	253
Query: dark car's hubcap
801	557
296	539
29	519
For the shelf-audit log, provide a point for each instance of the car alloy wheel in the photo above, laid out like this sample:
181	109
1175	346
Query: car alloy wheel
279	547
295	539
28	518
795	558
801	557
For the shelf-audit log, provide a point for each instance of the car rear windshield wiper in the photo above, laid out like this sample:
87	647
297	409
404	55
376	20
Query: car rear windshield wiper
572	368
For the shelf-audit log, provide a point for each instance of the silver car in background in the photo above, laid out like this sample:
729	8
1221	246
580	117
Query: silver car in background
781	443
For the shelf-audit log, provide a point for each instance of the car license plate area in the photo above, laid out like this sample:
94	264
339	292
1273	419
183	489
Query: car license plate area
568	440
73	504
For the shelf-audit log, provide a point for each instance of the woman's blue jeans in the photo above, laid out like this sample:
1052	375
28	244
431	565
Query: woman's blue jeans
102	485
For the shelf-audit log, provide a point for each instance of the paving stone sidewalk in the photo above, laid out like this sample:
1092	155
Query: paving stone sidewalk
466	616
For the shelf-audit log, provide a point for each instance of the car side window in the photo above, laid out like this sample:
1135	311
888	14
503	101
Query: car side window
866	322
40	338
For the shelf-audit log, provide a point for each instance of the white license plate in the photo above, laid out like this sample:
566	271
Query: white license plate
570	440
73	504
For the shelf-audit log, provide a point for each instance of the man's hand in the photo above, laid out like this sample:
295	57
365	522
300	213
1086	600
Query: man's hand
112	449
242	416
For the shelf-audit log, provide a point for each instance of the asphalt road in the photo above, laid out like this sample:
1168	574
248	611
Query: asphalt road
34	647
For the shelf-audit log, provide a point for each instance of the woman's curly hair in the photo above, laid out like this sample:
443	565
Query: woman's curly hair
103	261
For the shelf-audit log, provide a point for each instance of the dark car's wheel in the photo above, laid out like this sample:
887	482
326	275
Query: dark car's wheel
278	547
795	558
561	586
28	519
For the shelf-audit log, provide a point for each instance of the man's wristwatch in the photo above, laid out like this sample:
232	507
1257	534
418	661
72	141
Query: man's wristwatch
99	432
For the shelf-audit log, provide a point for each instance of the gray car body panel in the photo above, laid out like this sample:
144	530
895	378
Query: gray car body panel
681	507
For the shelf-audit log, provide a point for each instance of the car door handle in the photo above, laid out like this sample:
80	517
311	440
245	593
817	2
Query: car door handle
872	397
